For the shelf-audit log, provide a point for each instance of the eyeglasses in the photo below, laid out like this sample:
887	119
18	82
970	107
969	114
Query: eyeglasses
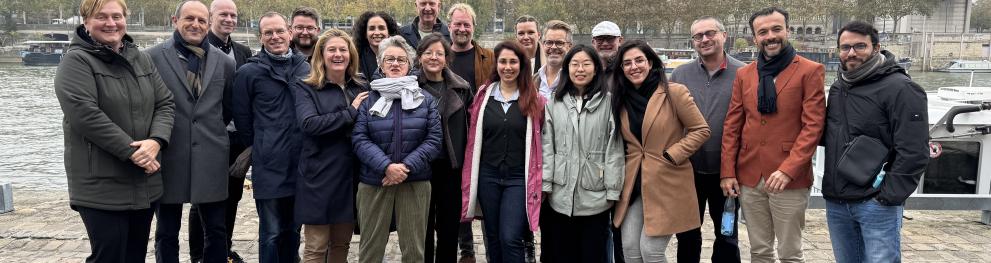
438	54
603	39
555	43
271	33
301	28
859	47
395	60
639	61
699	37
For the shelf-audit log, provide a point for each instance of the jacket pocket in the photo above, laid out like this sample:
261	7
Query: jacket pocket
561	172
592	177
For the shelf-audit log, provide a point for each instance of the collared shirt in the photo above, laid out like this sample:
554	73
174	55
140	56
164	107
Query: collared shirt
547	88
497	95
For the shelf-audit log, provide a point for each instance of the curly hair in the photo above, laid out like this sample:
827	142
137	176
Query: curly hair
361	27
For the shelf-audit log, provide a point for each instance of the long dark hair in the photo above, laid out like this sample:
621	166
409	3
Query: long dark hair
623	85
529	99
568	87
361	27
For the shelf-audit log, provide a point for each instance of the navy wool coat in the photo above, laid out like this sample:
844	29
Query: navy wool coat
325	189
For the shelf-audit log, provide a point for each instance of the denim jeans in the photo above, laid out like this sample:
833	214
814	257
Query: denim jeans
278	234
864	231
501	194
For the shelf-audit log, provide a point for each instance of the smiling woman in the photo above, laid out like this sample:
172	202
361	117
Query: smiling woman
118	114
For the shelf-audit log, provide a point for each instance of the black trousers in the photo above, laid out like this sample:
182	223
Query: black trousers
445	213
117	236
574	238
211	220
235	188
725	248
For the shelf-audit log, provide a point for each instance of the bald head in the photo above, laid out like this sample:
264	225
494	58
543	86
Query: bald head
223	18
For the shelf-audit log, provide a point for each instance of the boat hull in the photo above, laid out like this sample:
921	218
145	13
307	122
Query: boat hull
36	59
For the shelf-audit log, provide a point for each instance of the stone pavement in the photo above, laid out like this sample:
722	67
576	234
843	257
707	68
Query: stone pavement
44	229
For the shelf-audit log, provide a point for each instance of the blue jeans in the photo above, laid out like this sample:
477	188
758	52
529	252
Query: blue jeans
864	231
501	193
278	234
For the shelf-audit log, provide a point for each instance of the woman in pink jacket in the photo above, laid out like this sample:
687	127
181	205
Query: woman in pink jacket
502	171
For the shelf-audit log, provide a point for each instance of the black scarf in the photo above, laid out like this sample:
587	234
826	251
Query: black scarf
636	101
224	46
194	56
767	70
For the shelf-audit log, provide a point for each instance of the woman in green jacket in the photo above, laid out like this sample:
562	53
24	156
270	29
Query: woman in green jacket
118	115
583	163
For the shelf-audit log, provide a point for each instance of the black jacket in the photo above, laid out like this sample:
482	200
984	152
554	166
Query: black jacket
241	52
411	32
888	106
453	107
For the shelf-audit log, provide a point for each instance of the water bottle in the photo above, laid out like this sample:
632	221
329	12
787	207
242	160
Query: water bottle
878	179
729	217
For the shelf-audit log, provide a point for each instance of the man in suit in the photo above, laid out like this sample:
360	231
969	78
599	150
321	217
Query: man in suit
223	22
195	164
772	127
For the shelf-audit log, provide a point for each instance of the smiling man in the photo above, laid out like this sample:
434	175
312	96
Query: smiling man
772	127
472	62
557	41
427	21
198	75
305	27
265	113
709	79
873	97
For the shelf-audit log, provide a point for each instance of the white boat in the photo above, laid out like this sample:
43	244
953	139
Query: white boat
966	66
958	176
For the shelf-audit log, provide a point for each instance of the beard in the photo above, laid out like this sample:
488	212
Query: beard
461	39
782	44
299	44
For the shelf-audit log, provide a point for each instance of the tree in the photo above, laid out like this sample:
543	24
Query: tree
980	19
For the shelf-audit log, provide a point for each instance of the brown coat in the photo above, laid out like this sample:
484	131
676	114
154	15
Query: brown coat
673	125
484	62
755	145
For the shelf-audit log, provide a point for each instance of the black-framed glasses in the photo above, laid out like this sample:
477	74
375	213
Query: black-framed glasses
710	34
301	28
859	47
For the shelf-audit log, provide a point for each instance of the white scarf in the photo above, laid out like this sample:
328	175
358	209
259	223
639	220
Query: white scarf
405	88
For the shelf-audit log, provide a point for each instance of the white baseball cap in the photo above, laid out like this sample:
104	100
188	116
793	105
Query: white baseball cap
606	28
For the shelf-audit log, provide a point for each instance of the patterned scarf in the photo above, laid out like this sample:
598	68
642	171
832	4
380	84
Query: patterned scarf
194	55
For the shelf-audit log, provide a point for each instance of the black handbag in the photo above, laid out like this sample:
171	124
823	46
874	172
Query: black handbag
863	157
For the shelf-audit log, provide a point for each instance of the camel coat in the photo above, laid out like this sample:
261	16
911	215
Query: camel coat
672	124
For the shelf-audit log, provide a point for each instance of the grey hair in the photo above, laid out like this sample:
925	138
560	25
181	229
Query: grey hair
719	24
183	3
396	41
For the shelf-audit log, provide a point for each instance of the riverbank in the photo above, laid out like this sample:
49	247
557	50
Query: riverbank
44	229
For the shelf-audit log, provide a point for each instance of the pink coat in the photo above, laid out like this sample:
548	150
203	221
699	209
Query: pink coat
469	172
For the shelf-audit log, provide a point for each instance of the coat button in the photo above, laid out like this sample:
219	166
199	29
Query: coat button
763	122
762	143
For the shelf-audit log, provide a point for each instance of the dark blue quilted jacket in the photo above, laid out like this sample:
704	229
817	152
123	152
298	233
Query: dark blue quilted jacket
412	137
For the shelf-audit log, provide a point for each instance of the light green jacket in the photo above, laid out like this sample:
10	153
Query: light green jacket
583	155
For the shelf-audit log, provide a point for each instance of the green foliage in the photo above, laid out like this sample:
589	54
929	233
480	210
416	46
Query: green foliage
980	19
740	44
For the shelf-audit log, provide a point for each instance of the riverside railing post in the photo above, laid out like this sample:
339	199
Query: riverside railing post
6	198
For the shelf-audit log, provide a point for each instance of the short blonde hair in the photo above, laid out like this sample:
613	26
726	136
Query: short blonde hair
88	7
317	71
463	8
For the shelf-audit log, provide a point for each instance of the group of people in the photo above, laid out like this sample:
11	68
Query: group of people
421	130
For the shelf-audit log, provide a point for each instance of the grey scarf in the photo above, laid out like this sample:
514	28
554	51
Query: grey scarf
404	88
861	72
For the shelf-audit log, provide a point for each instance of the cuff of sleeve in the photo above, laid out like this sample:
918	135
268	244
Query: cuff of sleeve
162	143
612	195
547	186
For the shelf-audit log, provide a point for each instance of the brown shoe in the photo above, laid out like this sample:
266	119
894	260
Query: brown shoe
467	259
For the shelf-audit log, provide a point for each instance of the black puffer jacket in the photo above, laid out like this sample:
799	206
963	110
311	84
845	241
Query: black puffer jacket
886	105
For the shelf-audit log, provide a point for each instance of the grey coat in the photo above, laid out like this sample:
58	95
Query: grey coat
194	167
583	152
110	100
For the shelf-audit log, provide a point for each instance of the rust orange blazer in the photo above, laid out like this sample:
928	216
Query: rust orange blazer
672	123
755	145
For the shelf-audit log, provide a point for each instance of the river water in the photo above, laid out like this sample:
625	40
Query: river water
31	123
